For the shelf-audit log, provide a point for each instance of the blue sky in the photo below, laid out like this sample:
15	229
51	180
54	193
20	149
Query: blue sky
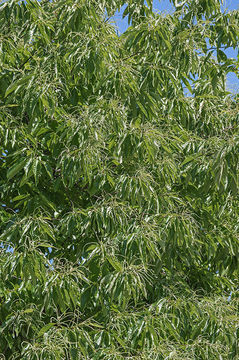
164	6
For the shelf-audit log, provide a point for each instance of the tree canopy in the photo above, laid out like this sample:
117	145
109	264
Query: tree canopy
119	159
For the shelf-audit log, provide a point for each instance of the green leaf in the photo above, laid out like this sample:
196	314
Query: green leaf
221	55
44	329
13	86
20	197
28	311
186	82
15	169
189	159
142	108
115	263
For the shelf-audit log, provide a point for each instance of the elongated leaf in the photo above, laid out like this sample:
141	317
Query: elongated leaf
44	329
13	86
15	169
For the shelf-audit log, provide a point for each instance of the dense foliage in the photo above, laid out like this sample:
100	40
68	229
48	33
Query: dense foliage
119	175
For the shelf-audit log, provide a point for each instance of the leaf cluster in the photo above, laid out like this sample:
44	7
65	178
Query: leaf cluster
119	179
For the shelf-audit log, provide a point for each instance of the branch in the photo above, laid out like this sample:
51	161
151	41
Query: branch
215	48
21	66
